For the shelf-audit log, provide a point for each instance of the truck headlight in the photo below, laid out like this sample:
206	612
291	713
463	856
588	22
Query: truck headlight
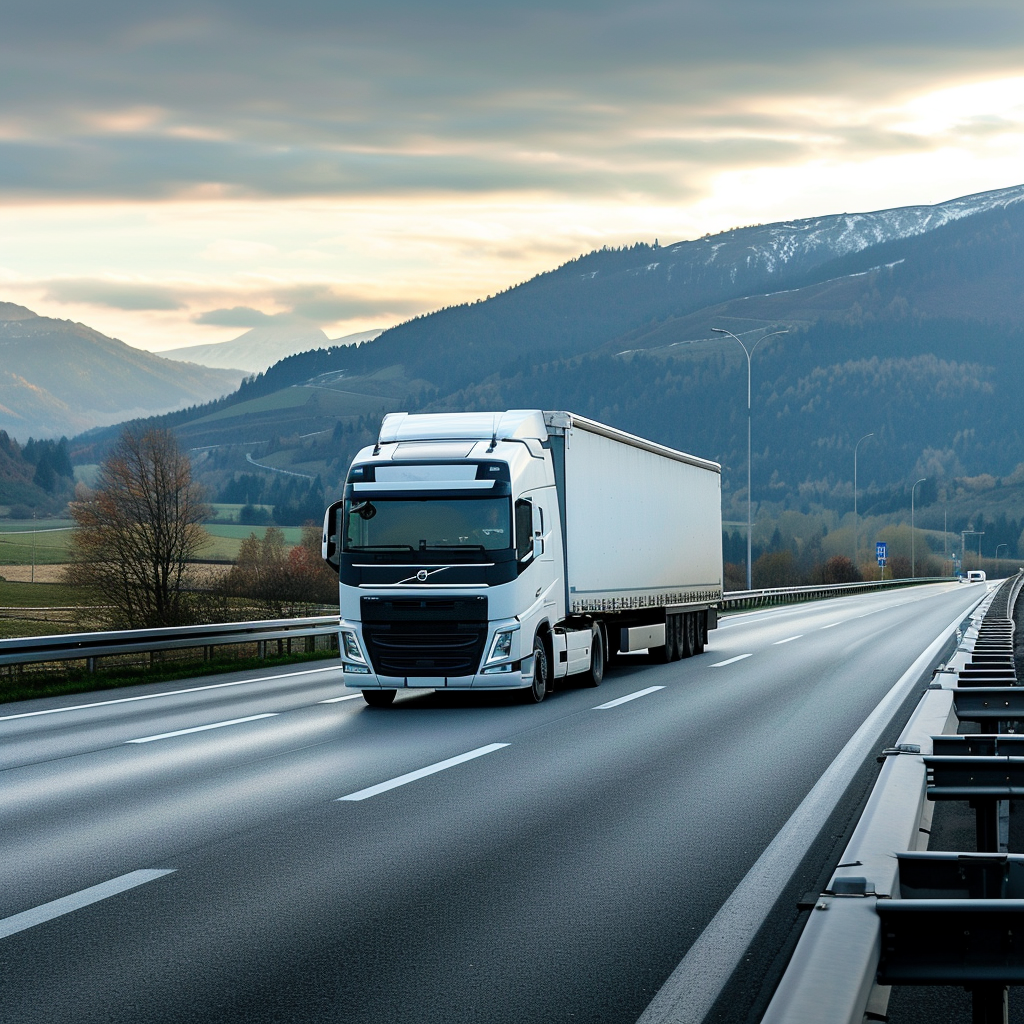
350	646
501	645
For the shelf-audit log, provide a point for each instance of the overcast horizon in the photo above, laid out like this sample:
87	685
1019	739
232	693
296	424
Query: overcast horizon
176	176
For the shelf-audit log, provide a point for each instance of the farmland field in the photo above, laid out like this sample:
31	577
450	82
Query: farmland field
42	542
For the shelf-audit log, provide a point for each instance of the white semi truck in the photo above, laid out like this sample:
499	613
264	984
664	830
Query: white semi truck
500	551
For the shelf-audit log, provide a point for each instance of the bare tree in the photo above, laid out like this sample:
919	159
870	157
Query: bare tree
282	583
138	530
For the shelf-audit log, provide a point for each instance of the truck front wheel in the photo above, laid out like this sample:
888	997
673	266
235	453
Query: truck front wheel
535	693
379	698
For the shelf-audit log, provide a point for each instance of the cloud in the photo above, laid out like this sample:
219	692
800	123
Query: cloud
113	294
324	304
233	98
316	303
237	316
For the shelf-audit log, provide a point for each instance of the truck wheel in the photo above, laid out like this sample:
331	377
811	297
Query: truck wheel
379	698
595	673
535	693
689	634
702	632
667	651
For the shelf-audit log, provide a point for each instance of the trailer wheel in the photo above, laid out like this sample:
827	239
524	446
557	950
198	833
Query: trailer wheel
667	651
680	649
689	634
702	632
595	673
535	693
379	698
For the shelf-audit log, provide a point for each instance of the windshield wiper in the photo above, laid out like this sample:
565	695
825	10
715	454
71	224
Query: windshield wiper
380	547
453	547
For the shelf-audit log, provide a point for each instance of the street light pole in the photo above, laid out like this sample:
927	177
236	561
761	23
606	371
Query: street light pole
748	353
913	563
998	546
856	551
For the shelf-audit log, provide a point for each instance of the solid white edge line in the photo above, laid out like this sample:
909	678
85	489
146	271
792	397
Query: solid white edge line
629	696
787	640
731	661
692	988
431	769
347	696
203	728
167	693
77	900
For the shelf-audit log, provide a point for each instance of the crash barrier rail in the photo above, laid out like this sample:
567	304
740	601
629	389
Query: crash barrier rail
787	595
90	646
898	914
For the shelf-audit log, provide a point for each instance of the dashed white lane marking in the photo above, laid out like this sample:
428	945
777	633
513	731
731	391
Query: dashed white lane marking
347	696
787	640
203	728
77	900
730	661
431	769
166	693
629	696
831	624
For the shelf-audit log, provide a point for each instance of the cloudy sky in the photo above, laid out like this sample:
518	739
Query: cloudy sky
171	173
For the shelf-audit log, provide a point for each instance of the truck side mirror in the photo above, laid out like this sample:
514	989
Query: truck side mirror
330	546
538	545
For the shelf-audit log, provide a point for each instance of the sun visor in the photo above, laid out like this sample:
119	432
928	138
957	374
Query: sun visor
433	450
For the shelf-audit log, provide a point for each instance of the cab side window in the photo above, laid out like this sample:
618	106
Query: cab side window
524	530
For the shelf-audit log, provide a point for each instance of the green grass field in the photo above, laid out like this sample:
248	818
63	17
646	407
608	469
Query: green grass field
49	543
42	595
43	542
229	511
226	538
43	605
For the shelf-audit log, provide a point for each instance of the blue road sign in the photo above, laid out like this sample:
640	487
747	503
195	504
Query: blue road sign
881	551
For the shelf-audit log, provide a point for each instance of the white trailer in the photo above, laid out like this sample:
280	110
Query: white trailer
508	550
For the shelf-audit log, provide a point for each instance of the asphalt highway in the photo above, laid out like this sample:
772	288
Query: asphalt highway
265	848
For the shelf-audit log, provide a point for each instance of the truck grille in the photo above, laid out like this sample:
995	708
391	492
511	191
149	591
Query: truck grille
425	637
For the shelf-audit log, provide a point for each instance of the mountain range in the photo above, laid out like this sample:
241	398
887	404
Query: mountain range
905	325
60	378
259	348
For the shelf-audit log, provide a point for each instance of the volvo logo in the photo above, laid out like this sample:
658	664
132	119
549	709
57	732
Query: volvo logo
423	575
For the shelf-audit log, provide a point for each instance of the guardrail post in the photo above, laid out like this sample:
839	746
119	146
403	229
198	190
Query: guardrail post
990	1004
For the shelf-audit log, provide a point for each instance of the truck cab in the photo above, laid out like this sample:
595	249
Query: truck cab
446	552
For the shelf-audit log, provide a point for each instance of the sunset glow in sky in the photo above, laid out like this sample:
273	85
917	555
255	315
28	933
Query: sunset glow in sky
168	170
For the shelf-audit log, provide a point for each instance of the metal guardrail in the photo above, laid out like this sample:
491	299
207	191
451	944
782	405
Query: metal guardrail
89	646
834	974
787	595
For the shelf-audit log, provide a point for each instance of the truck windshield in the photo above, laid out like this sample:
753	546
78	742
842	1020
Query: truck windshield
434	524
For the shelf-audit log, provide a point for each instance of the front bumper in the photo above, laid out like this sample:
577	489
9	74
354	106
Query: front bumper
519	676
363	658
